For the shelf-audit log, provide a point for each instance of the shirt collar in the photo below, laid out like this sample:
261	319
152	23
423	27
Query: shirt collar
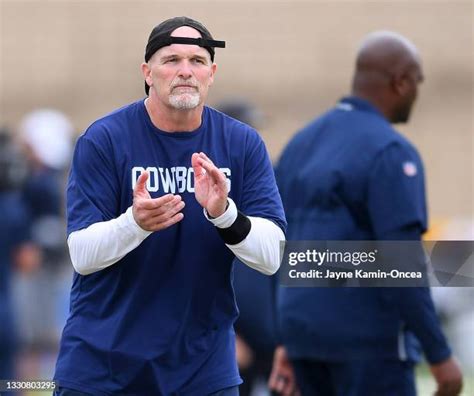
350	103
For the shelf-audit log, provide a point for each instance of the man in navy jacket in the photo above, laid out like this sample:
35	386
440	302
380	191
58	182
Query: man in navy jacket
349	175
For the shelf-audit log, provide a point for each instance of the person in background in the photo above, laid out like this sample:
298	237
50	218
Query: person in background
46	136
349	175
255	294
17	251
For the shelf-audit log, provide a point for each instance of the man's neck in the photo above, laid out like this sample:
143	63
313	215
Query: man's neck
168	119
375	100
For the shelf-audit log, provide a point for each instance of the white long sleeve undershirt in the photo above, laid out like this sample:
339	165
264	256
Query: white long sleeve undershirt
104	243
260	250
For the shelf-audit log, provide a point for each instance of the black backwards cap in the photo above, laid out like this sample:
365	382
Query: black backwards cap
160	37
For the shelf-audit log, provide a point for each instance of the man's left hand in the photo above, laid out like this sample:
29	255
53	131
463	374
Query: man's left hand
448	377
210	185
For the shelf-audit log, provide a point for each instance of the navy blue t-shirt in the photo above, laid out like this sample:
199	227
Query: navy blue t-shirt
349	175
159	321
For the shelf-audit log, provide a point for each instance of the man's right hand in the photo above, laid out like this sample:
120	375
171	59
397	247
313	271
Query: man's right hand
448	377
154	214
282	378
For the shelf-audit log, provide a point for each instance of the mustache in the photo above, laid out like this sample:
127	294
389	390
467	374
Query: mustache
188	83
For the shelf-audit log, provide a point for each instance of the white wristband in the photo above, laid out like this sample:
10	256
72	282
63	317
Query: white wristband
226	219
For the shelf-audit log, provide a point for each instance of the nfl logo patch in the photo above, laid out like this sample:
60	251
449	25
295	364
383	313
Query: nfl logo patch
409	168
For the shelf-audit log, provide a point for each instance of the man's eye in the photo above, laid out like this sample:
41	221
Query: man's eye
197	60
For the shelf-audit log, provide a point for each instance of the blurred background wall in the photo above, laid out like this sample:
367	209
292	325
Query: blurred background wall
292	59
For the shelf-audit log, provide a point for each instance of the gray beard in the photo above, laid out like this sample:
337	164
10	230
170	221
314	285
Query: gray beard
184	101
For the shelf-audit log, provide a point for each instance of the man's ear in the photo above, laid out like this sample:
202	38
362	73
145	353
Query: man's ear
400	84
146	71
212	73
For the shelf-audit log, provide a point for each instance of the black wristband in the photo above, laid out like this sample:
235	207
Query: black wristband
237	232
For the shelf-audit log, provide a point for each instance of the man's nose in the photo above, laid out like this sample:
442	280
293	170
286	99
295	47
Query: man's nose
185	70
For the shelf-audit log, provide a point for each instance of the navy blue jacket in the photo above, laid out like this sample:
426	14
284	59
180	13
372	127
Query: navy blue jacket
349	175
14	231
